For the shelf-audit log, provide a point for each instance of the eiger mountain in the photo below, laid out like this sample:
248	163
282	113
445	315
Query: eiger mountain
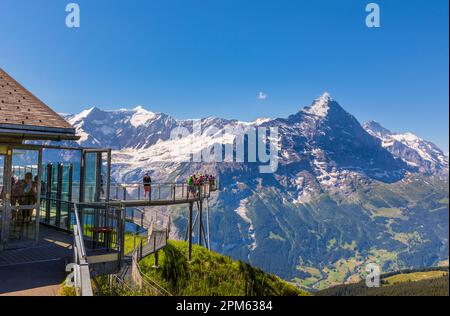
343	195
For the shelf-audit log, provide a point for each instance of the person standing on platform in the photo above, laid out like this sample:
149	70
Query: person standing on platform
147	180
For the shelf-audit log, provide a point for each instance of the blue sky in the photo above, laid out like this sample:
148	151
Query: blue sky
196	58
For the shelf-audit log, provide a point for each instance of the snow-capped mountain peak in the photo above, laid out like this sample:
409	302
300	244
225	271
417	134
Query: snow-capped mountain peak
74	119
320	106
375	129
141	116
124	128
416	152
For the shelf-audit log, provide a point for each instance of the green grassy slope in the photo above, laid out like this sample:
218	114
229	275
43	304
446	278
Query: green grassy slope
210	274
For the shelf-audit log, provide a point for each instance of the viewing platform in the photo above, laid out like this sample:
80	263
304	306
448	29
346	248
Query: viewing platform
58	200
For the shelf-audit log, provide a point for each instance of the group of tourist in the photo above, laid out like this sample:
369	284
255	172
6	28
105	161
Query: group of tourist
194	182
23	192
201	179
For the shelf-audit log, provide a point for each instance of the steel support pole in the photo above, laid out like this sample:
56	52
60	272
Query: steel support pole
200	222
191	207
155	251
207	224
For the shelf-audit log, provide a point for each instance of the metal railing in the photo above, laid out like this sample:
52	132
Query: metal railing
138	216
161	192
143	281
82	277
134	191
92	219
152	231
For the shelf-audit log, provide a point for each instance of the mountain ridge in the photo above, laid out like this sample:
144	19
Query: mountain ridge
148	128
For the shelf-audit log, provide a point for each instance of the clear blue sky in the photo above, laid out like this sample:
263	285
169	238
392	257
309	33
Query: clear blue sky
195	58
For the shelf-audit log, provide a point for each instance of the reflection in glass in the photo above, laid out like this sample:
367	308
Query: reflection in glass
24	195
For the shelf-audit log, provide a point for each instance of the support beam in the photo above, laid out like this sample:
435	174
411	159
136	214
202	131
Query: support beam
155	265
200	222
69	196
191	207
207	224
193	226
206	241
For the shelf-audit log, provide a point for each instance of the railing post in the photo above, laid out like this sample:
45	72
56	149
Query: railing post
150	193
155	252
121	231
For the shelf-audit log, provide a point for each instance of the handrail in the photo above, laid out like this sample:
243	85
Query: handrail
124	284
79	233
153	184
135	194
82	277
146	279
155	218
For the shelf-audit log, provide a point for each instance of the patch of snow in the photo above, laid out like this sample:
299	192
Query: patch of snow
141	116
260	121
242	211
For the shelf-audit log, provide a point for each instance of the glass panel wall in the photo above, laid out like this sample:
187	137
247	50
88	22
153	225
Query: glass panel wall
57	191
24	197
91	177
61	178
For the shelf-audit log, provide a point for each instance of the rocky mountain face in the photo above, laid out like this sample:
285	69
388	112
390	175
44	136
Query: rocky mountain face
343	194
420	154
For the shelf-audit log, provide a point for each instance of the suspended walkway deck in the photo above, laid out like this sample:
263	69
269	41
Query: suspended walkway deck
158	194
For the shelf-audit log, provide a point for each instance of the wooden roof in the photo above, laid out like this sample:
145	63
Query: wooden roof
22	112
